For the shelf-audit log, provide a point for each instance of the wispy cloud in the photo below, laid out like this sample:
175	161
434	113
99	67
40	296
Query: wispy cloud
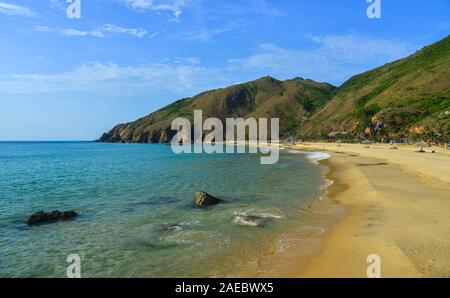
206	34
263	7
177	7
258	7
16	10
56	4
173	6
443	26
136	32
332	58
114	79
99	32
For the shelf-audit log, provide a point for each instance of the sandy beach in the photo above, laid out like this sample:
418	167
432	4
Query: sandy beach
397	206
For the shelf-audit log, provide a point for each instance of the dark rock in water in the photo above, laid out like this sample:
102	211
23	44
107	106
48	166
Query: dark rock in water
202	199
46	217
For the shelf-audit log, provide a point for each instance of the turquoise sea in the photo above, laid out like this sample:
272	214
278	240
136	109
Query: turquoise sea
136	214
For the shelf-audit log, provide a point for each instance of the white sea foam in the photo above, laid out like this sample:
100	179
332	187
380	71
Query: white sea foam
316	156
285	243
327	184
189	223
296	151
260	214
268	215
245	218
314	230
240	220
313	156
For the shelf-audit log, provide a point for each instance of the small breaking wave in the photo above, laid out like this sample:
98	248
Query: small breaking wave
313	156
268	215
254	219
295	151
327	184
317	156
243	221
314	231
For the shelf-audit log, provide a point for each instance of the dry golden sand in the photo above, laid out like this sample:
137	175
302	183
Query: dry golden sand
398	204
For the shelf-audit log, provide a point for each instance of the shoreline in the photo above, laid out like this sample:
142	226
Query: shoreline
397	207
324	215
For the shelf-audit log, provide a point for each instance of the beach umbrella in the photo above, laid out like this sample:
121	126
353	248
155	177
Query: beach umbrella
422	145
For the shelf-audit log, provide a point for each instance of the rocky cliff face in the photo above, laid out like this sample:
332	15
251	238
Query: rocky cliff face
123	133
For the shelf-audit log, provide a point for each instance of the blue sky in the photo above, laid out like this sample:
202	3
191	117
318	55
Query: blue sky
73	79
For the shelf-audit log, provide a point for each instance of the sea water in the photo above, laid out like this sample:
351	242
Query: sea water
136	214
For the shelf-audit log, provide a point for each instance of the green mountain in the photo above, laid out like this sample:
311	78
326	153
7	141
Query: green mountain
293	101
406	98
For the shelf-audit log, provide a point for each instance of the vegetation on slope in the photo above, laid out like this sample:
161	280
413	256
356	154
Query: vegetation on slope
408	98
293	101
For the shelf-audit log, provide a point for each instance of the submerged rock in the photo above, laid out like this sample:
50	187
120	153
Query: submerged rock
46	217
168	227
202	199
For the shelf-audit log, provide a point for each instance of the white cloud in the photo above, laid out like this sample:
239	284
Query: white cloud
55	4
73	32
206	34
42	29
332	58
113	79
137	32
173	6
16	10
99	32
263	7
183	60
177	7
444	26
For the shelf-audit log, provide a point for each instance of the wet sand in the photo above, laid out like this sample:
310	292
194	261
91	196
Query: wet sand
398	206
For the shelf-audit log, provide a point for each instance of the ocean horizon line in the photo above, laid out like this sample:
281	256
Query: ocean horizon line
47	141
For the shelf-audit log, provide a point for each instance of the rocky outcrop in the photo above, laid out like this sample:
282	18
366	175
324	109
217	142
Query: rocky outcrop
48	217
202	199
122	133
